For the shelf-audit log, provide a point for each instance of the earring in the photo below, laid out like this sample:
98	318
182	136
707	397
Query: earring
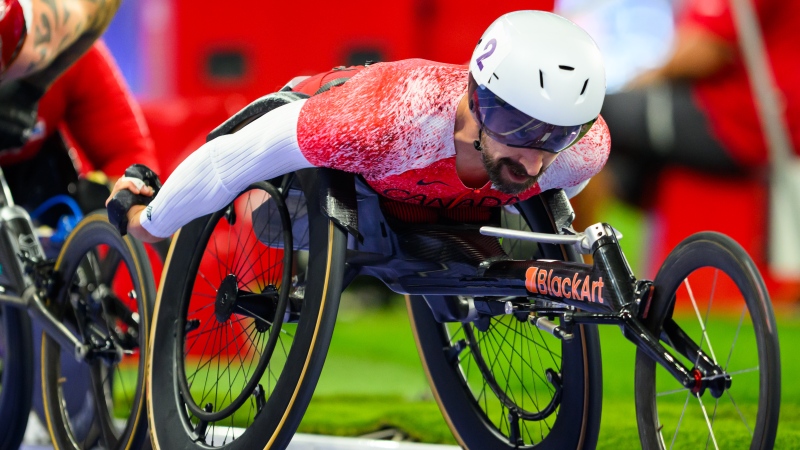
477	142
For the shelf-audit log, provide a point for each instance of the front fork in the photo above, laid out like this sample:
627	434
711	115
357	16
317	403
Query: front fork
625	301
631	301
24	266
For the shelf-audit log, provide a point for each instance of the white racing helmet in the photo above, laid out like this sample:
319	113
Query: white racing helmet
536	80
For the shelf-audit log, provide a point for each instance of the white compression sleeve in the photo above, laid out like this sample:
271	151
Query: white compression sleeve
217	172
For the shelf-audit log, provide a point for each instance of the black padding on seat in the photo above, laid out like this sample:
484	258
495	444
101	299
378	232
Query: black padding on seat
447	244
254	110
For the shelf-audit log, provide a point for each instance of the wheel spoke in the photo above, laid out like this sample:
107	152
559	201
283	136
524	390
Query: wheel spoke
208	341
739	372
674	391
102	416
702	323
253	315
736	336
680	420
741	414
203	276
221	348
713	417
708	422
208	326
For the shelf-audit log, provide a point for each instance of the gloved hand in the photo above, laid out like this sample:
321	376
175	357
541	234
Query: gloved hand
123	200
19	102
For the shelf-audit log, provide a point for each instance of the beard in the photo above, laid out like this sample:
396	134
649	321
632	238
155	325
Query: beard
495	171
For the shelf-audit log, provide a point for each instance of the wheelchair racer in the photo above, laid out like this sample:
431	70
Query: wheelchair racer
39	40
521	119
90	92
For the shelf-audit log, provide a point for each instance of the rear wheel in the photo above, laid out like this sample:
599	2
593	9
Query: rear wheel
243	326
709	289
505	384
106	299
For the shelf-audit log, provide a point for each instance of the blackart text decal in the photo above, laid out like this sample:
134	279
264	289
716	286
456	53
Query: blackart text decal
576	287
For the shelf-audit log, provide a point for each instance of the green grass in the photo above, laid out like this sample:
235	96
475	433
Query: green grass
373	379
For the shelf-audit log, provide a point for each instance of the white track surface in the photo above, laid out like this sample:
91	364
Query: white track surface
34	437
315	442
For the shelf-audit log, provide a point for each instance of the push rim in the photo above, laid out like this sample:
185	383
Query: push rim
249	298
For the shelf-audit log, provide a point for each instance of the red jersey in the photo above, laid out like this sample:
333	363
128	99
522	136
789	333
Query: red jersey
726	97
393	123
92	102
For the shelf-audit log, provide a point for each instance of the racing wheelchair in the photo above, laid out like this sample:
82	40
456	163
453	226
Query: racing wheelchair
93	303
507	333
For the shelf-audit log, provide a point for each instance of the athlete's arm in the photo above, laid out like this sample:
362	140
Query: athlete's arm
217	172
96	93
59	32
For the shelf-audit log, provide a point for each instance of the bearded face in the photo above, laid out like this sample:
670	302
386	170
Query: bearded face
507	175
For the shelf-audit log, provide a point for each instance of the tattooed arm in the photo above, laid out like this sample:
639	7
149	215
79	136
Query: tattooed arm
61	31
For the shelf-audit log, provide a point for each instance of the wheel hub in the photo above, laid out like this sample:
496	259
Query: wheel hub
226	298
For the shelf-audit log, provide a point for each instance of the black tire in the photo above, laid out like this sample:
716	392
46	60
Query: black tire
161	248
291	352
477	414
709	282
78	398
107	295
16	375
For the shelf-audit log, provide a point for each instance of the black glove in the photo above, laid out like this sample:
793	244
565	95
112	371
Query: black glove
19	102
124	200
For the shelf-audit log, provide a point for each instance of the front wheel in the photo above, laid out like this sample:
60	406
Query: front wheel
709	290
106	299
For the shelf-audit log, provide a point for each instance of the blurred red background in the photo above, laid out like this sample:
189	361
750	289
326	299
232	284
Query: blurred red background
203	60
200	62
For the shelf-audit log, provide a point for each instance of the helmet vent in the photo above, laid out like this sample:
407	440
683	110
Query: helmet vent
584	86
566	68
541	79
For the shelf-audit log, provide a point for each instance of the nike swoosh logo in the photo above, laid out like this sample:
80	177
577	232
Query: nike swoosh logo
426	183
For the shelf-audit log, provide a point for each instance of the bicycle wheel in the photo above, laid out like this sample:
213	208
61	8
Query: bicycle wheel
711	289
78	397
16	375
243	326
496	383
106	299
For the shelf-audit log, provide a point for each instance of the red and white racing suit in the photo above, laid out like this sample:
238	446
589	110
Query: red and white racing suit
92	102
392	123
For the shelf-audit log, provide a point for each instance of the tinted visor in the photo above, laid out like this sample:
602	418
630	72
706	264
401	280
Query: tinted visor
510	126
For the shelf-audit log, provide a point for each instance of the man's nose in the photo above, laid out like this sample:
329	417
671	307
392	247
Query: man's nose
532	160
